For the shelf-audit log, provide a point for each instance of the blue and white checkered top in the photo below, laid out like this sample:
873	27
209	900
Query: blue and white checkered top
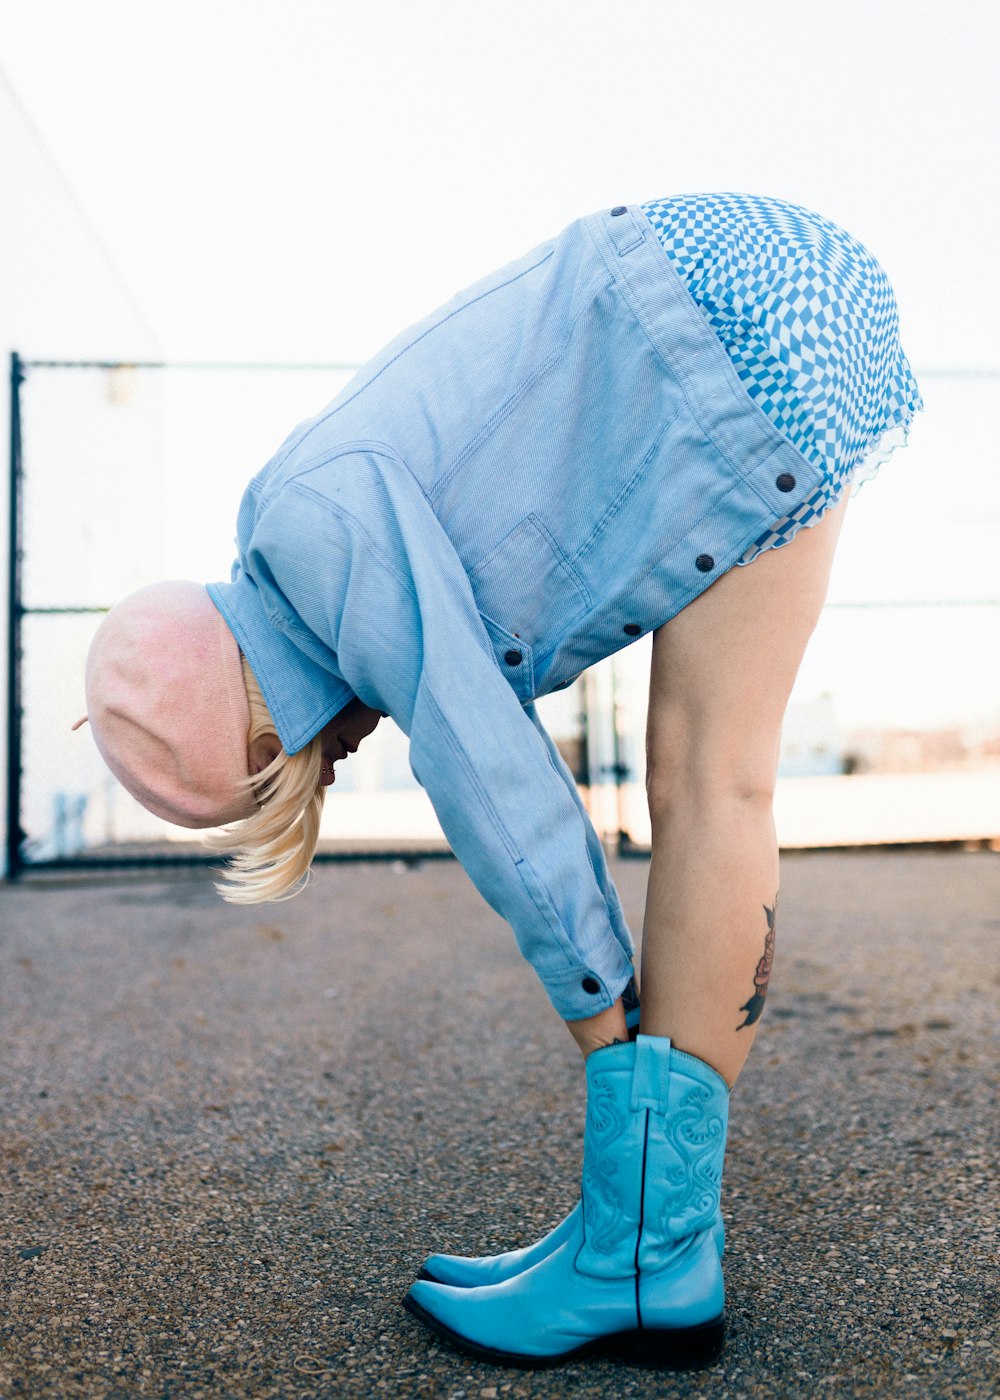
809	320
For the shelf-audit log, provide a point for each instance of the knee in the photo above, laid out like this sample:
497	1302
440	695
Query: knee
705	770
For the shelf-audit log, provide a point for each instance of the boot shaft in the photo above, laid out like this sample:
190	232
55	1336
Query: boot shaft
654	1145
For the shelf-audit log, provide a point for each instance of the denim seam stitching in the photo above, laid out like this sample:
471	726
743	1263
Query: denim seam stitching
559	936
338	512
626	491
354	447
676	367
543	657
416	341
509	404
473	778
561	558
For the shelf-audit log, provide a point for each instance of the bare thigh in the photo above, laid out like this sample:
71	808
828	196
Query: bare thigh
724	667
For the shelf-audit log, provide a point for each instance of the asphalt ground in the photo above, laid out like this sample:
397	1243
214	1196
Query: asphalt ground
230	1137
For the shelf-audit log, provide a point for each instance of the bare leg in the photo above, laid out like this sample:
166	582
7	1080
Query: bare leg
721	675
722	672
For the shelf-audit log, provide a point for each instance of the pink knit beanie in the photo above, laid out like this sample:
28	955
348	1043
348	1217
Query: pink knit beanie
168	706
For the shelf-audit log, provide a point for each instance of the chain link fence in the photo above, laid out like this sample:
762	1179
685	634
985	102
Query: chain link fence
126	473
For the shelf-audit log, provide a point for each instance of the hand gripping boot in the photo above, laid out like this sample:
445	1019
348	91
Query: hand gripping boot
639	1271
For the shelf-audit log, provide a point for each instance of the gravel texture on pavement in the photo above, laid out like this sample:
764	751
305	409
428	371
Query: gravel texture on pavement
230	1137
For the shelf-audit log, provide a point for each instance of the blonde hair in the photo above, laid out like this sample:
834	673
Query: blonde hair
271	851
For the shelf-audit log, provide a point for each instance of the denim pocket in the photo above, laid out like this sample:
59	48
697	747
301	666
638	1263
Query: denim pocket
526	586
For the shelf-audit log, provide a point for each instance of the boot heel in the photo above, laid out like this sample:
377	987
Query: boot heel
674	1348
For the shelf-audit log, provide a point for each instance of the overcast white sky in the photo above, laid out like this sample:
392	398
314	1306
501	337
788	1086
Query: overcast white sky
300	178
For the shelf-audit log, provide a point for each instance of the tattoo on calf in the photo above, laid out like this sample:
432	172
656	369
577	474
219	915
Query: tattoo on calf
755	1005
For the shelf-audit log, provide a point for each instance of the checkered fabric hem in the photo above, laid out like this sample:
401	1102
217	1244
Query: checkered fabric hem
808	318
811	510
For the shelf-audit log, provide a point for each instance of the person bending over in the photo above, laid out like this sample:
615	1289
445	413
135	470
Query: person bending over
651	423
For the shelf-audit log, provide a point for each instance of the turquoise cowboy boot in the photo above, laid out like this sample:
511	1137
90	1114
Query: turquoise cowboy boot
638	1271
470	1271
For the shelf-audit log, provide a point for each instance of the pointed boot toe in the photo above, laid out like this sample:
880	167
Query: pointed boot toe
468	1271
526	1321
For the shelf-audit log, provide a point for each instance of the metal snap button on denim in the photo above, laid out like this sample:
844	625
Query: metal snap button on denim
512	657
785	482
591	985
631	629
704	562
618	210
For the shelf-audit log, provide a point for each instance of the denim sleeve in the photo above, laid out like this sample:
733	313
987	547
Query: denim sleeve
595	848
363	563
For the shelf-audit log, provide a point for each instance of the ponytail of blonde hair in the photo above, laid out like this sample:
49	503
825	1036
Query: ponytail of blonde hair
271	851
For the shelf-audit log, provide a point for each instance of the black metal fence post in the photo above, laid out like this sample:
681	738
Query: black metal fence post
14	833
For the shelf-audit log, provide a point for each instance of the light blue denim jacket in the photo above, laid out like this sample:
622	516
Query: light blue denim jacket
553	463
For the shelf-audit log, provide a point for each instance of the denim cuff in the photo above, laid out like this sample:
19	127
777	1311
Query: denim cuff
592	986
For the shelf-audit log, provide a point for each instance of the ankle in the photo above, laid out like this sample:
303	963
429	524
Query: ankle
595	1032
